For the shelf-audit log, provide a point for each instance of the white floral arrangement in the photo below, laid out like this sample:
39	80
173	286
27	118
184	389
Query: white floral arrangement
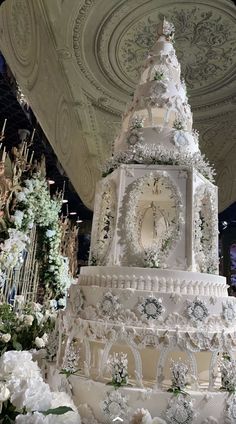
179	375
228	374
39	206
12	250
118	365
36	207
71	360
158	155
178	124
24	327
104	220
137	122
27	398
135	133
205	230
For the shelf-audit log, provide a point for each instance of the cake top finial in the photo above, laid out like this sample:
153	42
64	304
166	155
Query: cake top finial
166	29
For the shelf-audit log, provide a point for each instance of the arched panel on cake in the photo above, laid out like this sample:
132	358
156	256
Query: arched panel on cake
205	230
153	218
104	222
124	346
175	354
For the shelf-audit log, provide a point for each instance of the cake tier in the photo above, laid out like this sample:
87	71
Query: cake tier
200	407
153	279
154	316
172	140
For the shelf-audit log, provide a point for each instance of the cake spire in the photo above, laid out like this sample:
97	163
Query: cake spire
166	29
160	115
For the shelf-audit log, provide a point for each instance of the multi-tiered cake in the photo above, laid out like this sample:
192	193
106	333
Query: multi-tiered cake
152	299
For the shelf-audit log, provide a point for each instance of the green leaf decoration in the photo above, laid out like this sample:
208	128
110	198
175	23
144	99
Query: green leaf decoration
57	411
16	345
68	373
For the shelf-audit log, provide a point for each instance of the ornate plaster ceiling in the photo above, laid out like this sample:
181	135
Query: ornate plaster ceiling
78	65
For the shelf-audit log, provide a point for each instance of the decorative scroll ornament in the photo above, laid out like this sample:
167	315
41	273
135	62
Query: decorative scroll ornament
229	311
205	225
180	410
104	224
115	405
197	311
151	308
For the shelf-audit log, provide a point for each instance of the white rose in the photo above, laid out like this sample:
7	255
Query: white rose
6	337
40	343
28	320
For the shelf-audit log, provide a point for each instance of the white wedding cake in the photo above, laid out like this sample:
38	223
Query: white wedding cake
149	325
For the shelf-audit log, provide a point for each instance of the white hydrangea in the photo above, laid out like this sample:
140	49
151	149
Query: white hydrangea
25	387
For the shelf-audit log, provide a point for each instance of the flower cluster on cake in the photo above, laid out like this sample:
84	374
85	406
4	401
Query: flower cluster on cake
150	317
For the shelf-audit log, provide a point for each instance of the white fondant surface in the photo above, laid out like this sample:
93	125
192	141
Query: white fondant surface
93	393
156	280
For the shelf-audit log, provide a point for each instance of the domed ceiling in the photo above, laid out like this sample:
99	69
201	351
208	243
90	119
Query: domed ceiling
78	66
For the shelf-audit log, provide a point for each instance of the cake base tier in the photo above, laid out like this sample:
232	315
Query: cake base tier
206	405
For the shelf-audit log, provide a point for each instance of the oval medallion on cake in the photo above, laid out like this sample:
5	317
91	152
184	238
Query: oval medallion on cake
153	217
